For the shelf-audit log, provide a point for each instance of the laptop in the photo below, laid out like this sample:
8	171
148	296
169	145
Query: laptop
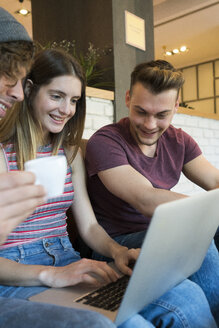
174	248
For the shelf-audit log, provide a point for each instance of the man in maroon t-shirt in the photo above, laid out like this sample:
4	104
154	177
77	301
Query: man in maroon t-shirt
114	146
133	164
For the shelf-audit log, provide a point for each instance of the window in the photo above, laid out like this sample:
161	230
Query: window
200	92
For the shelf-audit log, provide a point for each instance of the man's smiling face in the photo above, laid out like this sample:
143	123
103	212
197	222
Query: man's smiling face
150	114
11	90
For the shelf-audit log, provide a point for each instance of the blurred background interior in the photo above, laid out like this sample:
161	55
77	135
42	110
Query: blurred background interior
184	32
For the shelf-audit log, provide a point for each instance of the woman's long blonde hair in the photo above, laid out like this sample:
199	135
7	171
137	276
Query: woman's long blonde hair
20	126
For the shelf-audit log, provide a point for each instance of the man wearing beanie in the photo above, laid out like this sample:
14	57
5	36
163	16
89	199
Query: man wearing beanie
19	196
16	52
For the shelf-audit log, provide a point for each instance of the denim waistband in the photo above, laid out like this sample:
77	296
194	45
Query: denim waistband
39	246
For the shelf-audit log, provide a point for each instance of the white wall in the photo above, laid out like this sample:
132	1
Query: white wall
205	131
206	134
100	112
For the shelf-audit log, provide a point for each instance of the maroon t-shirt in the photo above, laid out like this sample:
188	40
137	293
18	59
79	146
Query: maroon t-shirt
112	146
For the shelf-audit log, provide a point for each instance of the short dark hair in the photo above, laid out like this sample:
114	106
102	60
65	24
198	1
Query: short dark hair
157	76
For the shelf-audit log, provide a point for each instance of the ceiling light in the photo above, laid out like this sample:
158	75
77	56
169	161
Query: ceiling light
168	53
23	12
183	48
176	51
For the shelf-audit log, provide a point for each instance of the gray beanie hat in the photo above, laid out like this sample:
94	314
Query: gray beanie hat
11	29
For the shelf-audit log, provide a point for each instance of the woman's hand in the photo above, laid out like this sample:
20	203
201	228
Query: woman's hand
92	272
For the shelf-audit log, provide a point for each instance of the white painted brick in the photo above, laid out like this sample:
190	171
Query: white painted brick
88	133
178	119
89	103
88	122
208	150
203	141
96	108
99	113
214	142
216	133
99	122
109	110
191	121
203	123
98	100
197	133
214	124
208	133
102	101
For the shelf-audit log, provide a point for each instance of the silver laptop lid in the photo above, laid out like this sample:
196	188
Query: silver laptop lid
174	248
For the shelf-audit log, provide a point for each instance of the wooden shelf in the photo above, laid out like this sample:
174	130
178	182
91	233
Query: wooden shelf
194	112
99	93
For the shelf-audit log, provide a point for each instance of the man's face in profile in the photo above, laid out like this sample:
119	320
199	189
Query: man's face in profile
11	90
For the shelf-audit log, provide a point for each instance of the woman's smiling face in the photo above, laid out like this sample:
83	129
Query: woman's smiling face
55	103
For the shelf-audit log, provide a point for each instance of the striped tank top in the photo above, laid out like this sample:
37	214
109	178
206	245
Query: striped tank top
49	219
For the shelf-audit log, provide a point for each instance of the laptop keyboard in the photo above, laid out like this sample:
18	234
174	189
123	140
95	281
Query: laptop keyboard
107	297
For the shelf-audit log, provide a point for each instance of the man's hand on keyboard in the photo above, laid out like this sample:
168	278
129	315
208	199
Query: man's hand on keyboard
124	257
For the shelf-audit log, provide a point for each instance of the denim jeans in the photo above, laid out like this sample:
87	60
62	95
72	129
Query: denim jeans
162	313
207	277
17	313
205	282
49	251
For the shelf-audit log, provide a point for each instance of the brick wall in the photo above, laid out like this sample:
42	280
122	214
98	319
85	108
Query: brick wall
100	112
206	134
205	131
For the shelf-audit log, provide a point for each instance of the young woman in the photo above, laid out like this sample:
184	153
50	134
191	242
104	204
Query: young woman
50	121
38	253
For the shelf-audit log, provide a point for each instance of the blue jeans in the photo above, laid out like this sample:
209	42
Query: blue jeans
162	313
205	280
49	251
207	277
17	313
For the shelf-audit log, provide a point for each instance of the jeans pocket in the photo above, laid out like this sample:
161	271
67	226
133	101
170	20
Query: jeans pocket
12	254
